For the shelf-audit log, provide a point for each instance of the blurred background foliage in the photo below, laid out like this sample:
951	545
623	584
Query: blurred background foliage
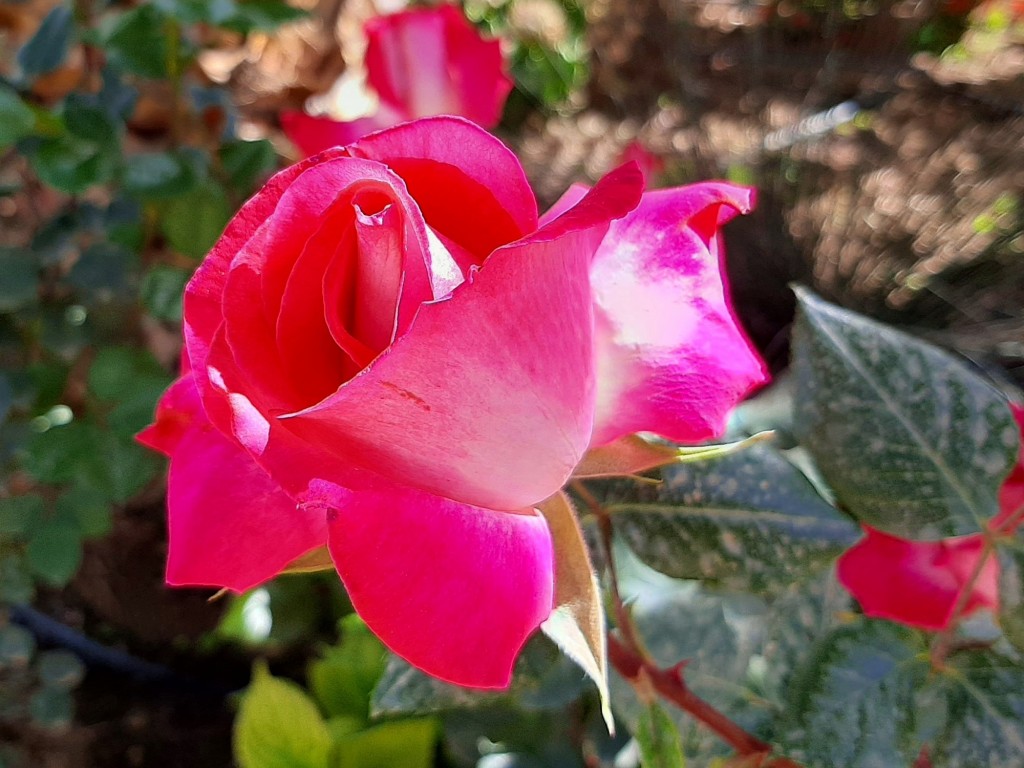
887	141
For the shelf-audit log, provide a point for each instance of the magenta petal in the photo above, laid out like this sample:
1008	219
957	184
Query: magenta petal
176	412
313	134
489	397
230	525
671	356
917	582
453	589
493	186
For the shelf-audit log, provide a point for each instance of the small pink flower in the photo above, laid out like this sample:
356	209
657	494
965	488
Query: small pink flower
421	62
389	355
918	582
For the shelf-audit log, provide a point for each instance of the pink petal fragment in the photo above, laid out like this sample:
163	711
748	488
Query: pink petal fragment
917	582
488	398
314	134
671	357
432	61
179	408
453	589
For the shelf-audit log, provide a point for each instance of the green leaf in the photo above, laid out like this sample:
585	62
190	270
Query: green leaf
1011	593
52	708
744	520
985	724
193	222
544	679
53	456
344	678
279	726
158	176
88	508
162	290
265	15
913	441
46	50
102	270
54	552
16	585
19	513
16	119
402	744
857	701
247	162
17	645
20	284
198	11
72	164
658	739
60	670
138	42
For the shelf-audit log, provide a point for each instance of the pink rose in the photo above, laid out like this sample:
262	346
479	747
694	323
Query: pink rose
387	355
918	582
422	62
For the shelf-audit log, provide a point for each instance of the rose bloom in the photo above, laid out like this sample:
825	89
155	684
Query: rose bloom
421	63
918	582
386	353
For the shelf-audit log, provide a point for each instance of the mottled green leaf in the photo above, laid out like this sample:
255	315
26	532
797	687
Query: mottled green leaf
658	739
913	441
856	701
52	708
46	50
985	723
749	519
543	679
279	726
1011	593
102	270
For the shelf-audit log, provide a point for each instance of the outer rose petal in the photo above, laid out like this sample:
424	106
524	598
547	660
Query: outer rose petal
229	524
312	134
432	61
489	397
454	589
671	357
917	582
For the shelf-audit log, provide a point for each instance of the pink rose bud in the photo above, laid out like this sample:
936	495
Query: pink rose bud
422	63
389	355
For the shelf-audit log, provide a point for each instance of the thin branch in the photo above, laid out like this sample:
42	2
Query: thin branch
627	654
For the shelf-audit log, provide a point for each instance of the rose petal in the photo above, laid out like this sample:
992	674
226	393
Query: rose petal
313	134
179	408
469	186
488	398
917	582
454	589
229	524
432	61
671	356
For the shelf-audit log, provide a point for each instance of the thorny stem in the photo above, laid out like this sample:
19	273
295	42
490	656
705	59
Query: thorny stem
627	654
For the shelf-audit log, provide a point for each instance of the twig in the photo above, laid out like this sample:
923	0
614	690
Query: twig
627	654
